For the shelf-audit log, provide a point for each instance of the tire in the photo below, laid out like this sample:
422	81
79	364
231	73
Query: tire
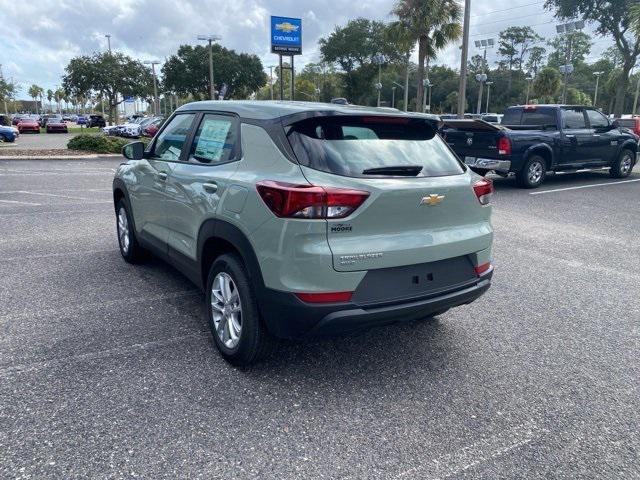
623	166
234	318
532	173
130	249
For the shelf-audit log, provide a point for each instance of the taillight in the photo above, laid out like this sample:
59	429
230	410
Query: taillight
332	297
483	190
504	146
308	201
482	269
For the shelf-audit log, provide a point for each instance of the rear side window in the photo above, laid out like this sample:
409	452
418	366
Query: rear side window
215	140
573	118
597	120
537	117
171	140
356	146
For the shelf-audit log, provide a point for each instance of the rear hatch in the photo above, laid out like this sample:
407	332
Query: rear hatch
472	138
421	205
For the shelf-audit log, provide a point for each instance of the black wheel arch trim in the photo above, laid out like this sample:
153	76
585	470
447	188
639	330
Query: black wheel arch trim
221	229
629	144
118	184
535	149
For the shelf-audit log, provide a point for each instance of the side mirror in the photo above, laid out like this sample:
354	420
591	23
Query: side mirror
133	151
615	124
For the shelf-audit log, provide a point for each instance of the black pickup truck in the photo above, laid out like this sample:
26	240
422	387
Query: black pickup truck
535	139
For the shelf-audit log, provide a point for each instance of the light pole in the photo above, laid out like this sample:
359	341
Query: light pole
635	99
529	79
462	90
595	95
567	68
481	78
488	84
210	39
271	67
393	96
378	58
153	63
426	83
108	35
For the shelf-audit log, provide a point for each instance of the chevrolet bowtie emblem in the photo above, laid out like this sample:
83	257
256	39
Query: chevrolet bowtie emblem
431	200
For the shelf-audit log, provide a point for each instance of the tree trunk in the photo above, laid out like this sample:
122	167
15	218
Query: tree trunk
621	88
422	53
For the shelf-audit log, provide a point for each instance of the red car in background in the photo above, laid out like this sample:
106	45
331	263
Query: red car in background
151	129
56	125
632	124
28	125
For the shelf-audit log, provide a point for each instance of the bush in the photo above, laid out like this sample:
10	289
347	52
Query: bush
100	143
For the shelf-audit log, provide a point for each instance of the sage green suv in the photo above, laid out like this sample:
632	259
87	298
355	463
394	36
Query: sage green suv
302	219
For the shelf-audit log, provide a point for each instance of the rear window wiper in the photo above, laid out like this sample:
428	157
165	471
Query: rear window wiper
400	170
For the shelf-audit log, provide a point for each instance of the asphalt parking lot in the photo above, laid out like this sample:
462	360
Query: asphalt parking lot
108	370
39	141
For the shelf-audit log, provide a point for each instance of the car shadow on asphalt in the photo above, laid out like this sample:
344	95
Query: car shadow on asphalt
564	180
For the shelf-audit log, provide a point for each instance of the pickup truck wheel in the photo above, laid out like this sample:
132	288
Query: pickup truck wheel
623	166
234	318
533	173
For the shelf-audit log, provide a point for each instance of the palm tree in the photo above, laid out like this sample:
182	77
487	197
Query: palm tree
35	92
547	84
50	98
433	24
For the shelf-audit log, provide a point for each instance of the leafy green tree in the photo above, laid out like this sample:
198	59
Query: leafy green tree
353	48
536	57
187	72
112	75
8	91
613	19
513	45
577	97
547	84
433	24
580	44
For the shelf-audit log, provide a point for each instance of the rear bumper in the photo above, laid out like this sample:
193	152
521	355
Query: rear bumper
489	164
288	317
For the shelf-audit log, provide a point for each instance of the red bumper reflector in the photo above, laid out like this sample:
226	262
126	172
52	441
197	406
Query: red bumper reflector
480	269
333	297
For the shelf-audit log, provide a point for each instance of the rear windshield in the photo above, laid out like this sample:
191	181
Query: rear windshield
536	117
353	146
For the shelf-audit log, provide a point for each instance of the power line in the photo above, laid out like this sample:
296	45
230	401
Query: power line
508	19
534	25
507	9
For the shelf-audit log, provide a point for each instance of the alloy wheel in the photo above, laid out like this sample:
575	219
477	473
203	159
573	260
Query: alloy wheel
226	309
535	172
123	230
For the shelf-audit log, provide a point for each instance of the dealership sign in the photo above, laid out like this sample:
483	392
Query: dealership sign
286	35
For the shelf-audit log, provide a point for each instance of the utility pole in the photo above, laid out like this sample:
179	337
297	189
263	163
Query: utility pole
567	68
488	84
635	99
595	95
210	39
462	91
156	104
406	87
481	78
529	79
393	97
108	35
379	59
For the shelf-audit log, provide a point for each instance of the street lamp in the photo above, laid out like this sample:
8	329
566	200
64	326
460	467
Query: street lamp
379	59
210	39
488	84
595	95
108	36
156	105
529	79
481	78
567	68
426	83
393	96
271	67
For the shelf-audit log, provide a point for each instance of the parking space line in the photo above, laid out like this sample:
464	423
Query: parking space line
584	186
22	203
51	195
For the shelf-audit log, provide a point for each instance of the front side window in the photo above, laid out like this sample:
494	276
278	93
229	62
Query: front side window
171	140
597	120
573	118
365	146
215	140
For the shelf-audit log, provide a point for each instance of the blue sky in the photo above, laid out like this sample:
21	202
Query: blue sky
38	38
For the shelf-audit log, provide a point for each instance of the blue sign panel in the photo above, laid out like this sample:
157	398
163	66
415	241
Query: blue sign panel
286	35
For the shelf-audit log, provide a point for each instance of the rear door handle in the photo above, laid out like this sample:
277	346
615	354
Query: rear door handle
162	176
210	187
